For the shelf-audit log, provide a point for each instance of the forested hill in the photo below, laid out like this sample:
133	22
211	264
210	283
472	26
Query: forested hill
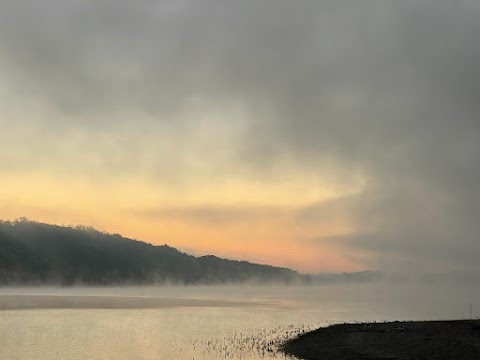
37	253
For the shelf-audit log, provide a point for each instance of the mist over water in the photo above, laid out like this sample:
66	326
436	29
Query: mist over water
151	141
205	322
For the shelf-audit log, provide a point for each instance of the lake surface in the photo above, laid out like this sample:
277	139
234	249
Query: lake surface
202	322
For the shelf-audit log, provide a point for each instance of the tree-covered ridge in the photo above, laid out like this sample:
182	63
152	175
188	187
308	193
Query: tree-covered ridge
38	253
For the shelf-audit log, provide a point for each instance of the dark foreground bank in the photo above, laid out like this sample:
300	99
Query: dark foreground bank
439	340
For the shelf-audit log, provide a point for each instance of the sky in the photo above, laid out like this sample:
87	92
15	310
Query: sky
325	136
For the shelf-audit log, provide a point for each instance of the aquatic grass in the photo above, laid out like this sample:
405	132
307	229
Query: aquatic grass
266	344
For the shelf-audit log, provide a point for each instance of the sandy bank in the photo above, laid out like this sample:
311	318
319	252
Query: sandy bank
11	302
433	340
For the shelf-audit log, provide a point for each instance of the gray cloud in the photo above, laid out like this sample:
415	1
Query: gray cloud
388	89
214	215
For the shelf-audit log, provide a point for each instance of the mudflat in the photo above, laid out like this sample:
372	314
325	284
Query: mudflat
433	340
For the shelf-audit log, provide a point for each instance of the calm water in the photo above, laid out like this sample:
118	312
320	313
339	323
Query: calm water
250	329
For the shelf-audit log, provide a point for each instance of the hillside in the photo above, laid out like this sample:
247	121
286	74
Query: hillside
37	253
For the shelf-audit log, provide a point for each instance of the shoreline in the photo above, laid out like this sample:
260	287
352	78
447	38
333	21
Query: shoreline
439	340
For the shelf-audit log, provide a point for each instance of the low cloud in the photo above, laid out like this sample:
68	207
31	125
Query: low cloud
213	215
382	90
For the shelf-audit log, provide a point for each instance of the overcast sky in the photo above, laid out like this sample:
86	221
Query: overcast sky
320	135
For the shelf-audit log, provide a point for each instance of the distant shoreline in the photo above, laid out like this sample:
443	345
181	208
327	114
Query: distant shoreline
20	302
439	340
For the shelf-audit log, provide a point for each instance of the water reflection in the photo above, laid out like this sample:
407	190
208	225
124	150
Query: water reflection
203	324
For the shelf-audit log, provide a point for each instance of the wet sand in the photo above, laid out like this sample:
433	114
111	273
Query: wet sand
433	340
15	302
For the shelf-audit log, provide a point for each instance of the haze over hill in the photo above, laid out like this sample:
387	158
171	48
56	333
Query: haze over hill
34	253
38	253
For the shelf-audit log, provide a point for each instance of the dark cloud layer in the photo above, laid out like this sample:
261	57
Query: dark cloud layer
388	89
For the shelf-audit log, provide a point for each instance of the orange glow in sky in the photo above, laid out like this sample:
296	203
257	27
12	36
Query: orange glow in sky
230	219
